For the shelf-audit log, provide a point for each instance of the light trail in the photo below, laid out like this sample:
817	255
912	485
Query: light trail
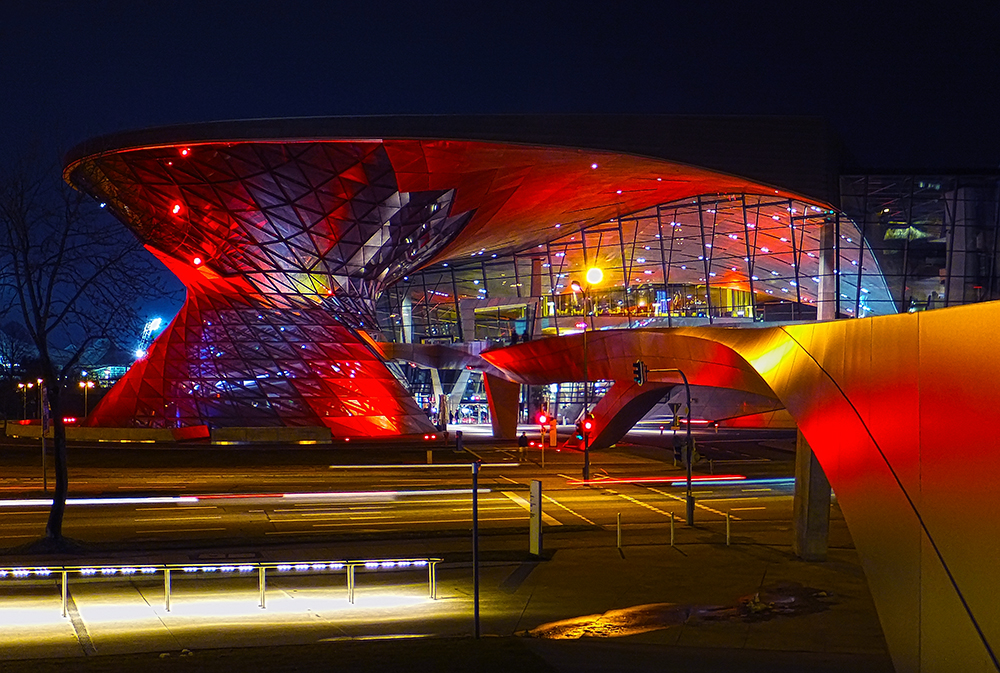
191	499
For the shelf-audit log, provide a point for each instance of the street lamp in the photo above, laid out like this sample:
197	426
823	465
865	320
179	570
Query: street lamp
594	276
23	387
86	385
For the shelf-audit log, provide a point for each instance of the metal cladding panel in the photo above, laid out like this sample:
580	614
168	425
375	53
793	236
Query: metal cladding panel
901	411
960	451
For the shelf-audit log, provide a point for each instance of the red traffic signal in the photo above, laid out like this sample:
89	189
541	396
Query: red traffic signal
543	418
588	424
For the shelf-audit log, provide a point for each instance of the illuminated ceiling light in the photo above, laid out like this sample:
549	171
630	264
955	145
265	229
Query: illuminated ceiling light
197	261
593	165
618	192
775	218
648	272
594	275
784	240
659	179
765	250
186	151
102	204
176	208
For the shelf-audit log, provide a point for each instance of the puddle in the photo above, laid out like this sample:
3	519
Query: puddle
771	602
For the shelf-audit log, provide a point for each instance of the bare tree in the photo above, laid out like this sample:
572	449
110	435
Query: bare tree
74	275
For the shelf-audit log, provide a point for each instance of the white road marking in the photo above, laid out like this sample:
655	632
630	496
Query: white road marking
551	520
576	514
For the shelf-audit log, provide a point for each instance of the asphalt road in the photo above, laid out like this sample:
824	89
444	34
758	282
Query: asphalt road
153	496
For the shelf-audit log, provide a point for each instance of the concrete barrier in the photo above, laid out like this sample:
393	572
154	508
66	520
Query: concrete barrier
114	434
281	435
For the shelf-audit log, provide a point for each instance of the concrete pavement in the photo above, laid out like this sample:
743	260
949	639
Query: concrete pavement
121	624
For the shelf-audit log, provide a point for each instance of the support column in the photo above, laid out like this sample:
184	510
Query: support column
503	398
827	294
406	309
811	508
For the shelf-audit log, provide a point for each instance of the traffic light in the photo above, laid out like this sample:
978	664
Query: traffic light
543	418
579	430
588	424
639	371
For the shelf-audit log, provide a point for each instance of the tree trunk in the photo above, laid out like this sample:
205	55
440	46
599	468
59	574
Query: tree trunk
53	529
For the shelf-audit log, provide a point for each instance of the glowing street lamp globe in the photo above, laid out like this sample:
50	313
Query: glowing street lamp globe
594	275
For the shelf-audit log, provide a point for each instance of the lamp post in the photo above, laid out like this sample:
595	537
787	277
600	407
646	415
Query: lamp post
86	385
23	387
594	276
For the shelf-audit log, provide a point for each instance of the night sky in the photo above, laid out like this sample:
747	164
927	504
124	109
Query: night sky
905	86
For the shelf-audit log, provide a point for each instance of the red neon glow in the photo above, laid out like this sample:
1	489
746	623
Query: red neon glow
659	480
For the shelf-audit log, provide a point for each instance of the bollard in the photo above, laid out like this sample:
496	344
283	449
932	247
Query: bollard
430	456
619	531
166	589
727	529
671	529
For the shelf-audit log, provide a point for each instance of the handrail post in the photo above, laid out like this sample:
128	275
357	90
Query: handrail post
166	589
350	583
262	584
65	593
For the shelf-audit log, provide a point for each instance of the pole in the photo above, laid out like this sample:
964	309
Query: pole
41	427
727	529
475	546
262	585
586	396
619	531
671	529
689	498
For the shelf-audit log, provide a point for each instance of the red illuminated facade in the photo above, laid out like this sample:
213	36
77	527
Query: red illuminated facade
285	244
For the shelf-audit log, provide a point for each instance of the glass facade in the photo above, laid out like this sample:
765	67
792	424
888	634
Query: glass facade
730	259
934	237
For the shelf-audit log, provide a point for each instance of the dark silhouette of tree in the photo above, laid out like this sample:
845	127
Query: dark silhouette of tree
71	275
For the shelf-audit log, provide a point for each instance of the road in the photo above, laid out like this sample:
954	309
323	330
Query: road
187	496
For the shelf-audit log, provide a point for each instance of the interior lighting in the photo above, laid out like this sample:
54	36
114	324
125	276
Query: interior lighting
594	275
765	250
175	209
186	151
593	165
196	261
618	192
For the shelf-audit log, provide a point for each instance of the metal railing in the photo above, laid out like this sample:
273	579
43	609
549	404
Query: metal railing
222	570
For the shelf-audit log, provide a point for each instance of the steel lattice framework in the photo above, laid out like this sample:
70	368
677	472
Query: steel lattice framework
284	246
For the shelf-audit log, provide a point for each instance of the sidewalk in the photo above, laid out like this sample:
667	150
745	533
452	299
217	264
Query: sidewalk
122	625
